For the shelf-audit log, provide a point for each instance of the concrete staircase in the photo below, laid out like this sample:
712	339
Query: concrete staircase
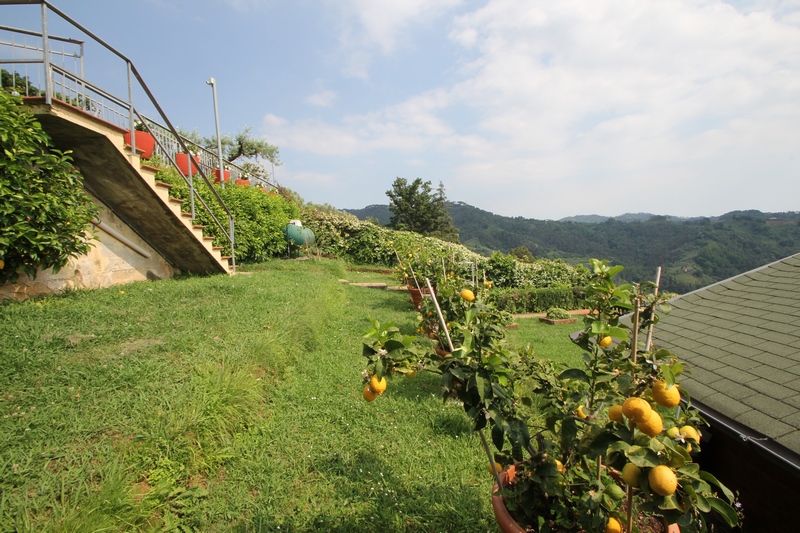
127	186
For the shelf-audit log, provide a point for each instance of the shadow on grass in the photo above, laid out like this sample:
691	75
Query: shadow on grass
375	498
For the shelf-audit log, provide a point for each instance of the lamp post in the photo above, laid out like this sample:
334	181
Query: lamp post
213	83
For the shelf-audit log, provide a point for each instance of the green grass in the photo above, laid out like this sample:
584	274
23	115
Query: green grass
228	404
548	341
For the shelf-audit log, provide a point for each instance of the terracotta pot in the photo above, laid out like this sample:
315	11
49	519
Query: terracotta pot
243	183
182	160
509	525
145	142
227	175
416	295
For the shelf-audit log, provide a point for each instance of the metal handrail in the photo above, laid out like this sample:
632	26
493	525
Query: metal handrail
50	70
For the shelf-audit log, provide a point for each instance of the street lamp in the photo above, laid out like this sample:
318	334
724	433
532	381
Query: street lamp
213	83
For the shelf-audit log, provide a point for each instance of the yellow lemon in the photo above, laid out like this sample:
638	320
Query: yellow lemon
615	413
636	409
605	342
630	474
663	480
2	264
560	467
579	412
377	385
369	394
691	433
673	432
613	526
411	373
666	397
497	467
652	425
468	295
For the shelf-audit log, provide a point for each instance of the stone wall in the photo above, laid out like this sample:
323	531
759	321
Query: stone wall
110	262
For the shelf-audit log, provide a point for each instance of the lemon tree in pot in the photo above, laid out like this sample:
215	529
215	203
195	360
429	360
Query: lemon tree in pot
594	447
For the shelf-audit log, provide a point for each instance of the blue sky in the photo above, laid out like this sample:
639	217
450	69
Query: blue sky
538	109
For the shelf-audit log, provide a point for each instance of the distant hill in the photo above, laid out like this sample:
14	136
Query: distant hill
377	212
627	217
693	252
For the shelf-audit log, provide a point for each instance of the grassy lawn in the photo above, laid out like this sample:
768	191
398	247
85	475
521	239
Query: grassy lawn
230	404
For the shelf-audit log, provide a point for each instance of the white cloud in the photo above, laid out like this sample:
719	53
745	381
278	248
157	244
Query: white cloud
368	28
579	104
322	98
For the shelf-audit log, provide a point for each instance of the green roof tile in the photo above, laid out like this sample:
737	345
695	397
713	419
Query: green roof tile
742	339
764	424
773	389
769	406
724	404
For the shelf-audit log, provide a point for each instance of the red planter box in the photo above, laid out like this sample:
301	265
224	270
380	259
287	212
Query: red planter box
182	160
216	175
145	142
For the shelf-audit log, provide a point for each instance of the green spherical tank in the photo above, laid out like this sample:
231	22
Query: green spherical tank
296	235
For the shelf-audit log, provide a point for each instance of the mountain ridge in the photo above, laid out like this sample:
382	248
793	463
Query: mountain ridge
693	252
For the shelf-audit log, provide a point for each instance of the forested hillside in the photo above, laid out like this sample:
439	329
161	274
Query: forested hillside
692	252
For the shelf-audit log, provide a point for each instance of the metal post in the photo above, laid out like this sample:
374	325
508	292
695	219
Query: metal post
48	78
131	118
213	83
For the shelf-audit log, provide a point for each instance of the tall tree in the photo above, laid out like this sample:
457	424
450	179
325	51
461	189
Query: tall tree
415	207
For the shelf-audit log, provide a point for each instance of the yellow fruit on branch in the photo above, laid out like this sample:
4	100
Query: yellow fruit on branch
497	467
613	526
663	480
376	384
605	342
636	409
2	264
369	394
666	396
411	373
580	413
615	413
560	467
631	474
468	295
652	425
691	433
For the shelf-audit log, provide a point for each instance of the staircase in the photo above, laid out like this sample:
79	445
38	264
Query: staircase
127	186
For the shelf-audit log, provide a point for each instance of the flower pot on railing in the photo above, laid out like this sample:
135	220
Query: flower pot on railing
243	183
145	143
226	174
182	160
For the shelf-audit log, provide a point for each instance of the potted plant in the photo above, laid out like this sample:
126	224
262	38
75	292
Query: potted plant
182	160
414	268
226	174
591	448
145	141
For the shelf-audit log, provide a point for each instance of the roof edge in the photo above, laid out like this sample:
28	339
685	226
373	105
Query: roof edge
765	446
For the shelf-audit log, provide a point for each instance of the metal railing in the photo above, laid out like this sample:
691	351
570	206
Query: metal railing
30	50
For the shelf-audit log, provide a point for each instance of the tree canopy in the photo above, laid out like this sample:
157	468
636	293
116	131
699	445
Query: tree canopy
416	207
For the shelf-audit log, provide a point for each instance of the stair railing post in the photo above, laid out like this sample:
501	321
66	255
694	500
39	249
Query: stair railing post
131	120
48	75
233	254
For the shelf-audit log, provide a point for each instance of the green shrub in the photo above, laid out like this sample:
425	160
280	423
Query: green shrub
259	217
557	313
45	212
530	300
